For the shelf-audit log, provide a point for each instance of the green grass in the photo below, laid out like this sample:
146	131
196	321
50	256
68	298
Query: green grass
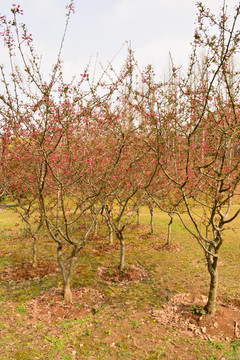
121	327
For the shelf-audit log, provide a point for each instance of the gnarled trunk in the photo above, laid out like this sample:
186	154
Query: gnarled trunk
67	276
212	295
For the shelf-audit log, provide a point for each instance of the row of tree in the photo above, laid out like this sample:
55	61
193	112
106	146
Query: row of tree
72	152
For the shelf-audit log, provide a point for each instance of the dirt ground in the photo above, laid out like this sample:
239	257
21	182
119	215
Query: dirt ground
185	312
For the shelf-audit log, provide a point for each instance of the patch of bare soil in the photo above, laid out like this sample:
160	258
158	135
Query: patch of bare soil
50	305
107	248
185	312
167	248
27	272
149	236
139	227
131	274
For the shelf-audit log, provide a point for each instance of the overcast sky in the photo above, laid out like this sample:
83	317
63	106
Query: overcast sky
100	28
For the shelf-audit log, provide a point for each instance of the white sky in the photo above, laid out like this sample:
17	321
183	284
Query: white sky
154	27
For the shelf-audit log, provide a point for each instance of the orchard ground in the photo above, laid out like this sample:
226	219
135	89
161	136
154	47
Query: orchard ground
152	310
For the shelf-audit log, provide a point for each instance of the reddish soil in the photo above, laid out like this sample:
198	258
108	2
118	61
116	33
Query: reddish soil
167	248
150	236
183	312
27	272
51	307
180	312
144	227
107	248
131	274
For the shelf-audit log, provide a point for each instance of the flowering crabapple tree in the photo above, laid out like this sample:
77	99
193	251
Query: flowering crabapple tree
128	166
73	143
156	105
122	206
23	88
20	170
34	114
203	162
70	180
86	168
131	177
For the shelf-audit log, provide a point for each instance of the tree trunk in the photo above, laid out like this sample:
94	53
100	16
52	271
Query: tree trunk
122	252
212	295
67	292
110	229
151	221
96	228
34	253
169	229
67	277
110	234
